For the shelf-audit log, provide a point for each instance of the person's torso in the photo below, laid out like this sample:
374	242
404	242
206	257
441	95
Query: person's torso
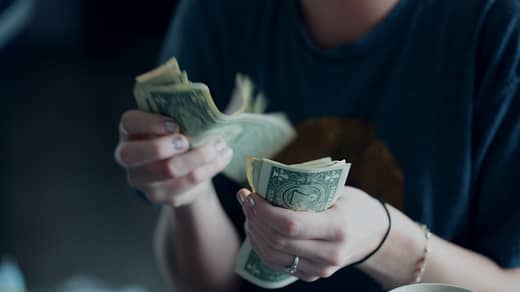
397	104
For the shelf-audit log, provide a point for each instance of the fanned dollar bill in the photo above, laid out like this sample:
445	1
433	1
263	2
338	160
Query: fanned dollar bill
167	90
310	186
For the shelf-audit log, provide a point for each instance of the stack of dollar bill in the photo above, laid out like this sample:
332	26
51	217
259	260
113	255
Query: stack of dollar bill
167	90
310	186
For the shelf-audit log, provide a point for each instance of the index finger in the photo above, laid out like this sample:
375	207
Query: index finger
136	124
293	224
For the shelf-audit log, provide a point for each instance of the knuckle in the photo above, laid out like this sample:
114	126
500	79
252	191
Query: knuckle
290	227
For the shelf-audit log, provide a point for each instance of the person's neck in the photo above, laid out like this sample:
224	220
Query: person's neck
334	22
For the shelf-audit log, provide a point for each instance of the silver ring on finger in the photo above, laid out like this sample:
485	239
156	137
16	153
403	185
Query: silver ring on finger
294	266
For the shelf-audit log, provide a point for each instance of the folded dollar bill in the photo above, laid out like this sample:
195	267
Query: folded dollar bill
167	90
310	186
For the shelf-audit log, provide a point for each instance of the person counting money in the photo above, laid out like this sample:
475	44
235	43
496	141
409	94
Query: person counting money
421	97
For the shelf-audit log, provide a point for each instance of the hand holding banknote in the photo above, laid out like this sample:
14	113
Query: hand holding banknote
323	241
179	139
158	161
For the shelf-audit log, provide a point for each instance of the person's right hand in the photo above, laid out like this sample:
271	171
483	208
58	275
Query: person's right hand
156	158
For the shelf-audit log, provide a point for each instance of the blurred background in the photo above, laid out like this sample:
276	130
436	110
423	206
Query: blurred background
66	76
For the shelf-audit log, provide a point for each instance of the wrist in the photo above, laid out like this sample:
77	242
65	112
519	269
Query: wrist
394	264
381	237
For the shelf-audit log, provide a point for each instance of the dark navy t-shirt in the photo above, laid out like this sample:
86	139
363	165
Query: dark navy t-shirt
426	106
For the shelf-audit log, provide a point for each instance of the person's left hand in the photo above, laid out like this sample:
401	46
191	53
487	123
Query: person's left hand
325	241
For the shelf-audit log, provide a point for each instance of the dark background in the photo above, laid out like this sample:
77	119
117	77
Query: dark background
65	208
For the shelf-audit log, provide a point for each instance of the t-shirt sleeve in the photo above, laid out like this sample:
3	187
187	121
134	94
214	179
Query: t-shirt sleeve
496	137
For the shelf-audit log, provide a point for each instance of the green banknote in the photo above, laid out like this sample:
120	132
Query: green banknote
310	186
167	91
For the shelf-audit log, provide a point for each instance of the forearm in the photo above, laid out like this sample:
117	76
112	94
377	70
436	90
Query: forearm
197	245
453	264
448	263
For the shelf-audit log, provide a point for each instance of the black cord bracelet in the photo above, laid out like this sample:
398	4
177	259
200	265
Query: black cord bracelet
384	237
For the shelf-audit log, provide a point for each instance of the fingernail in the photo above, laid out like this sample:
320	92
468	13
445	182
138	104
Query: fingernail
171	127
179	143
250	201
240	198
220	144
